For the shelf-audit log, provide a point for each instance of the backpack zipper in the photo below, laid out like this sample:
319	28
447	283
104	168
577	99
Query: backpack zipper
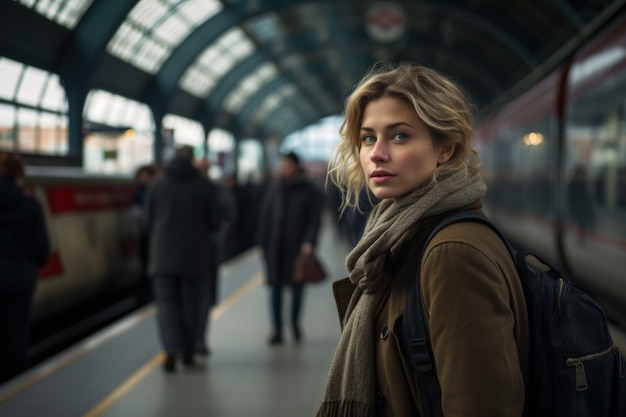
560	286
579	367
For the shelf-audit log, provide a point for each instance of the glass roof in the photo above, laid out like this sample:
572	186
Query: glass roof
65	12
266	27
317	48
250	85
273	100
216	60
154	28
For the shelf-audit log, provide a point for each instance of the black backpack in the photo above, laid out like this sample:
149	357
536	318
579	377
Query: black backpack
576	370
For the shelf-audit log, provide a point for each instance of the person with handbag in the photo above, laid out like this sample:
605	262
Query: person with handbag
289	223
406	136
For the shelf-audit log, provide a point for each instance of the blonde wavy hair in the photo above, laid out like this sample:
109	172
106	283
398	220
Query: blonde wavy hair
443	107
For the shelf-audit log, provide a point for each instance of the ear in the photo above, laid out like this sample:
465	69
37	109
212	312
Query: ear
446	152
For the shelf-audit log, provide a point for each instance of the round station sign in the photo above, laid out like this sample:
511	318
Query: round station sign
385	22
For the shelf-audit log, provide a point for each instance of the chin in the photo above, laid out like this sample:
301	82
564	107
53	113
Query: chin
385	194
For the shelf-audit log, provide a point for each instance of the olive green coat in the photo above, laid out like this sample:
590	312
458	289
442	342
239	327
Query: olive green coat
477	318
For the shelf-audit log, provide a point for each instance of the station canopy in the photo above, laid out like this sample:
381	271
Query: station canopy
267	68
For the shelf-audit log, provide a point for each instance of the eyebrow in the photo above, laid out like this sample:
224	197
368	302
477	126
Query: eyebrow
388	127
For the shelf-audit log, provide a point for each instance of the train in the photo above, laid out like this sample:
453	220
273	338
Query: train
94	237
555	160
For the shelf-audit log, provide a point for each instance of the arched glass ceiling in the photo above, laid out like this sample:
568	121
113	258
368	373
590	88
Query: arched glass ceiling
266	28
286	111
215	61
154	28
250	85
164	37
65	12
272	101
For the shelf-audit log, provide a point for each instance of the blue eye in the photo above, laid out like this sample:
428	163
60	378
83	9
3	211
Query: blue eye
368	139
400	137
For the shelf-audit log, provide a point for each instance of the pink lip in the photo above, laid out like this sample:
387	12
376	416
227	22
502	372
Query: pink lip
381	176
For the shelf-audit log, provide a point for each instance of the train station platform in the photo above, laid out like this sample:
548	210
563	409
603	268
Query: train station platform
118	371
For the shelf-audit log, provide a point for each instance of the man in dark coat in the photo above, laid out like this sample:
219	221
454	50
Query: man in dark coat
289	223
181	215
24	249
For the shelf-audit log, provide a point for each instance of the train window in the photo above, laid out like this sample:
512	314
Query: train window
595	158
520	165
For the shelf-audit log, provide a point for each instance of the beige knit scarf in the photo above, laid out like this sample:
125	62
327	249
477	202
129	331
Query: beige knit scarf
351	387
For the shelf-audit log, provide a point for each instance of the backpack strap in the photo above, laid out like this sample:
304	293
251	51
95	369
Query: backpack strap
416	337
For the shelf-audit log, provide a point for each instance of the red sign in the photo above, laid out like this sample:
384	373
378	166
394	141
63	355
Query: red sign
79	199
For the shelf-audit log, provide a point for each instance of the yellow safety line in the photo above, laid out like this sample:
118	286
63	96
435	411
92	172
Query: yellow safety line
128	385
158	359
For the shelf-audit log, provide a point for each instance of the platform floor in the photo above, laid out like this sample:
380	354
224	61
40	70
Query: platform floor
118	372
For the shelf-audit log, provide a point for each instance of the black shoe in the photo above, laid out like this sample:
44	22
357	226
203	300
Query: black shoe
297	334
170	363
204	351
188	359
276	340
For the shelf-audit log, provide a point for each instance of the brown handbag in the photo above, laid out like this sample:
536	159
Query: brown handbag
308	269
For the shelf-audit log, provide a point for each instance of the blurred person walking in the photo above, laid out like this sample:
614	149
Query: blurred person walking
181	216
227	214
24	249
143	177
289	224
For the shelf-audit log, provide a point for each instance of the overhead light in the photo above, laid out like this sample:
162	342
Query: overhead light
533	139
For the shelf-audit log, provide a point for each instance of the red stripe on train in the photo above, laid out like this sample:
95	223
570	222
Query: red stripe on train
78	199
54	267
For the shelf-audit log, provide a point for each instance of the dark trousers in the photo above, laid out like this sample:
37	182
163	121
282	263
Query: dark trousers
178	299
14	335
209	298
277	305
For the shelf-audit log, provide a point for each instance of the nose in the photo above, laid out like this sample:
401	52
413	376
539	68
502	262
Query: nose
379	152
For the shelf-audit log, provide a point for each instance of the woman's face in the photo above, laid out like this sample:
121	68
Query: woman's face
397	152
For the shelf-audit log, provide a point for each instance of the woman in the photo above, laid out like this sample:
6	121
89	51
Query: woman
406	136
24	249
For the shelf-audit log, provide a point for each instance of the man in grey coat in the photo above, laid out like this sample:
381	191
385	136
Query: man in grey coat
181	214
